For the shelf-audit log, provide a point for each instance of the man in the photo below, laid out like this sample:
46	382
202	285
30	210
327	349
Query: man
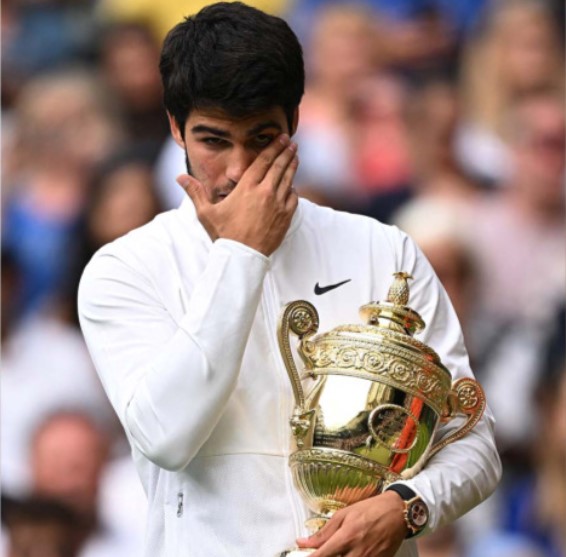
70	465
181	315
520	293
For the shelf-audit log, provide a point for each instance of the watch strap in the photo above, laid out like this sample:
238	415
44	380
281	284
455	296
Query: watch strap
406	493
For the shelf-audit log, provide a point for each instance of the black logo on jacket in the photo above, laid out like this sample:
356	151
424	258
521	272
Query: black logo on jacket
318	290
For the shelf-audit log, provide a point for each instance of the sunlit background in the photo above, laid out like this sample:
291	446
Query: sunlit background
443	117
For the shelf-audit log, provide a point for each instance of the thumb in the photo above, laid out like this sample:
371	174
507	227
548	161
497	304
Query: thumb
323	535
194	189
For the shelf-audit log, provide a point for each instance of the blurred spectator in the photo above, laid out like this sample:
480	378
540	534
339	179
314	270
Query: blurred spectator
438	225
526	219
433	112
130	66
122	197
69	457
347	36
63	127
426	139
380	143
519	246
516	51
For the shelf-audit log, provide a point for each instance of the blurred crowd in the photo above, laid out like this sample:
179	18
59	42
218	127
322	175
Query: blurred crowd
443	117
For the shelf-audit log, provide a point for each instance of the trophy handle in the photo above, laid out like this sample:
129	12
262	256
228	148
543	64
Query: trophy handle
466	397
301	318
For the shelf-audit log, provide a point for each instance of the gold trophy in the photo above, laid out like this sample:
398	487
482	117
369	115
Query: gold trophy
376	398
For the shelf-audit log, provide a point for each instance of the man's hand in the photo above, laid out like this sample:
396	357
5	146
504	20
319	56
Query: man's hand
259	210
374	527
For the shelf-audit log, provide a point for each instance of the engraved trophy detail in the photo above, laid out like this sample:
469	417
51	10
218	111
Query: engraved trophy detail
376	400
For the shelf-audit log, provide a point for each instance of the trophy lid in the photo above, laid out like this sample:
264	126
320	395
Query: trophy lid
393	313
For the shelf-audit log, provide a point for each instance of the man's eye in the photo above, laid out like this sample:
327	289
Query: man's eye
263	140
213	141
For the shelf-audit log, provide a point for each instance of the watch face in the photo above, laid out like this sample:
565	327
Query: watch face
418	514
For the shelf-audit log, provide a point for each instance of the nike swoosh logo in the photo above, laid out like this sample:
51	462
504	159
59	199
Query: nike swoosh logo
318	290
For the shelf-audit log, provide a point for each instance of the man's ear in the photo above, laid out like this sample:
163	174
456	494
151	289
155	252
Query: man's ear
176	131
295	122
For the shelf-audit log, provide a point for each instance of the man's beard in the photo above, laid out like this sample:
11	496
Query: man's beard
188	164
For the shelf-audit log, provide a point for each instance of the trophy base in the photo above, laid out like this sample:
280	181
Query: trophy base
297	552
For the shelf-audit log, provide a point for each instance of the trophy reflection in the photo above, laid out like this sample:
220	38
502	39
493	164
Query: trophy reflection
376	400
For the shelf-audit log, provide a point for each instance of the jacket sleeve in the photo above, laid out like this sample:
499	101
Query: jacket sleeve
169	381
467	471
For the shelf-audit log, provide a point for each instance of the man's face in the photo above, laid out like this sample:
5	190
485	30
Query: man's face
67	461
220	148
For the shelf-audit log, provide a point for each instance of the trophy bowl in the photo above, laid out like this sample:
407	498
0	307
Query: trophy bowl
377	397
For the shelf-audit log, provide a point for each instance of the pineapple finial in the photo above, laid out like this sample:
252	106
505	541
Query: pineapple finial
399	291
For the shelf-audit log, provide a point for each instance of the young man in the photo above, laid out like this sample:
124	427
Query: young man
181	315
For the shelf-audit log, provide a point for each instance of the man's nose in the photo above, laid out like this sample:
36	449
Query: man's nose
239	161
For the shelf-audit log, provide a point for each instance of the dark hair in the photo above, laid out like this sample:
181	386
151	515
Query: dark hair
37	509
233	57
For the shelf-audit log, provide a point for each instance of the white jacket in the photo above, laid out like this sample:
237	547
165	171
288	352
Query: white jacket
182	332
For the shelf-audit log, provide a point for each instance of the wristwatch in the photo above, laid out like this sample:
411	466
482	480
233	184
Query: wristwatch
416	512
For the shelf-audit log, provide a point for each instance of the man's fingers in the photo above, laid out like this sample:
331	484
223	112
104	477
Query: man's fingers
194	190
285	186
259	168
323	535
337	545
275	174
292	202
